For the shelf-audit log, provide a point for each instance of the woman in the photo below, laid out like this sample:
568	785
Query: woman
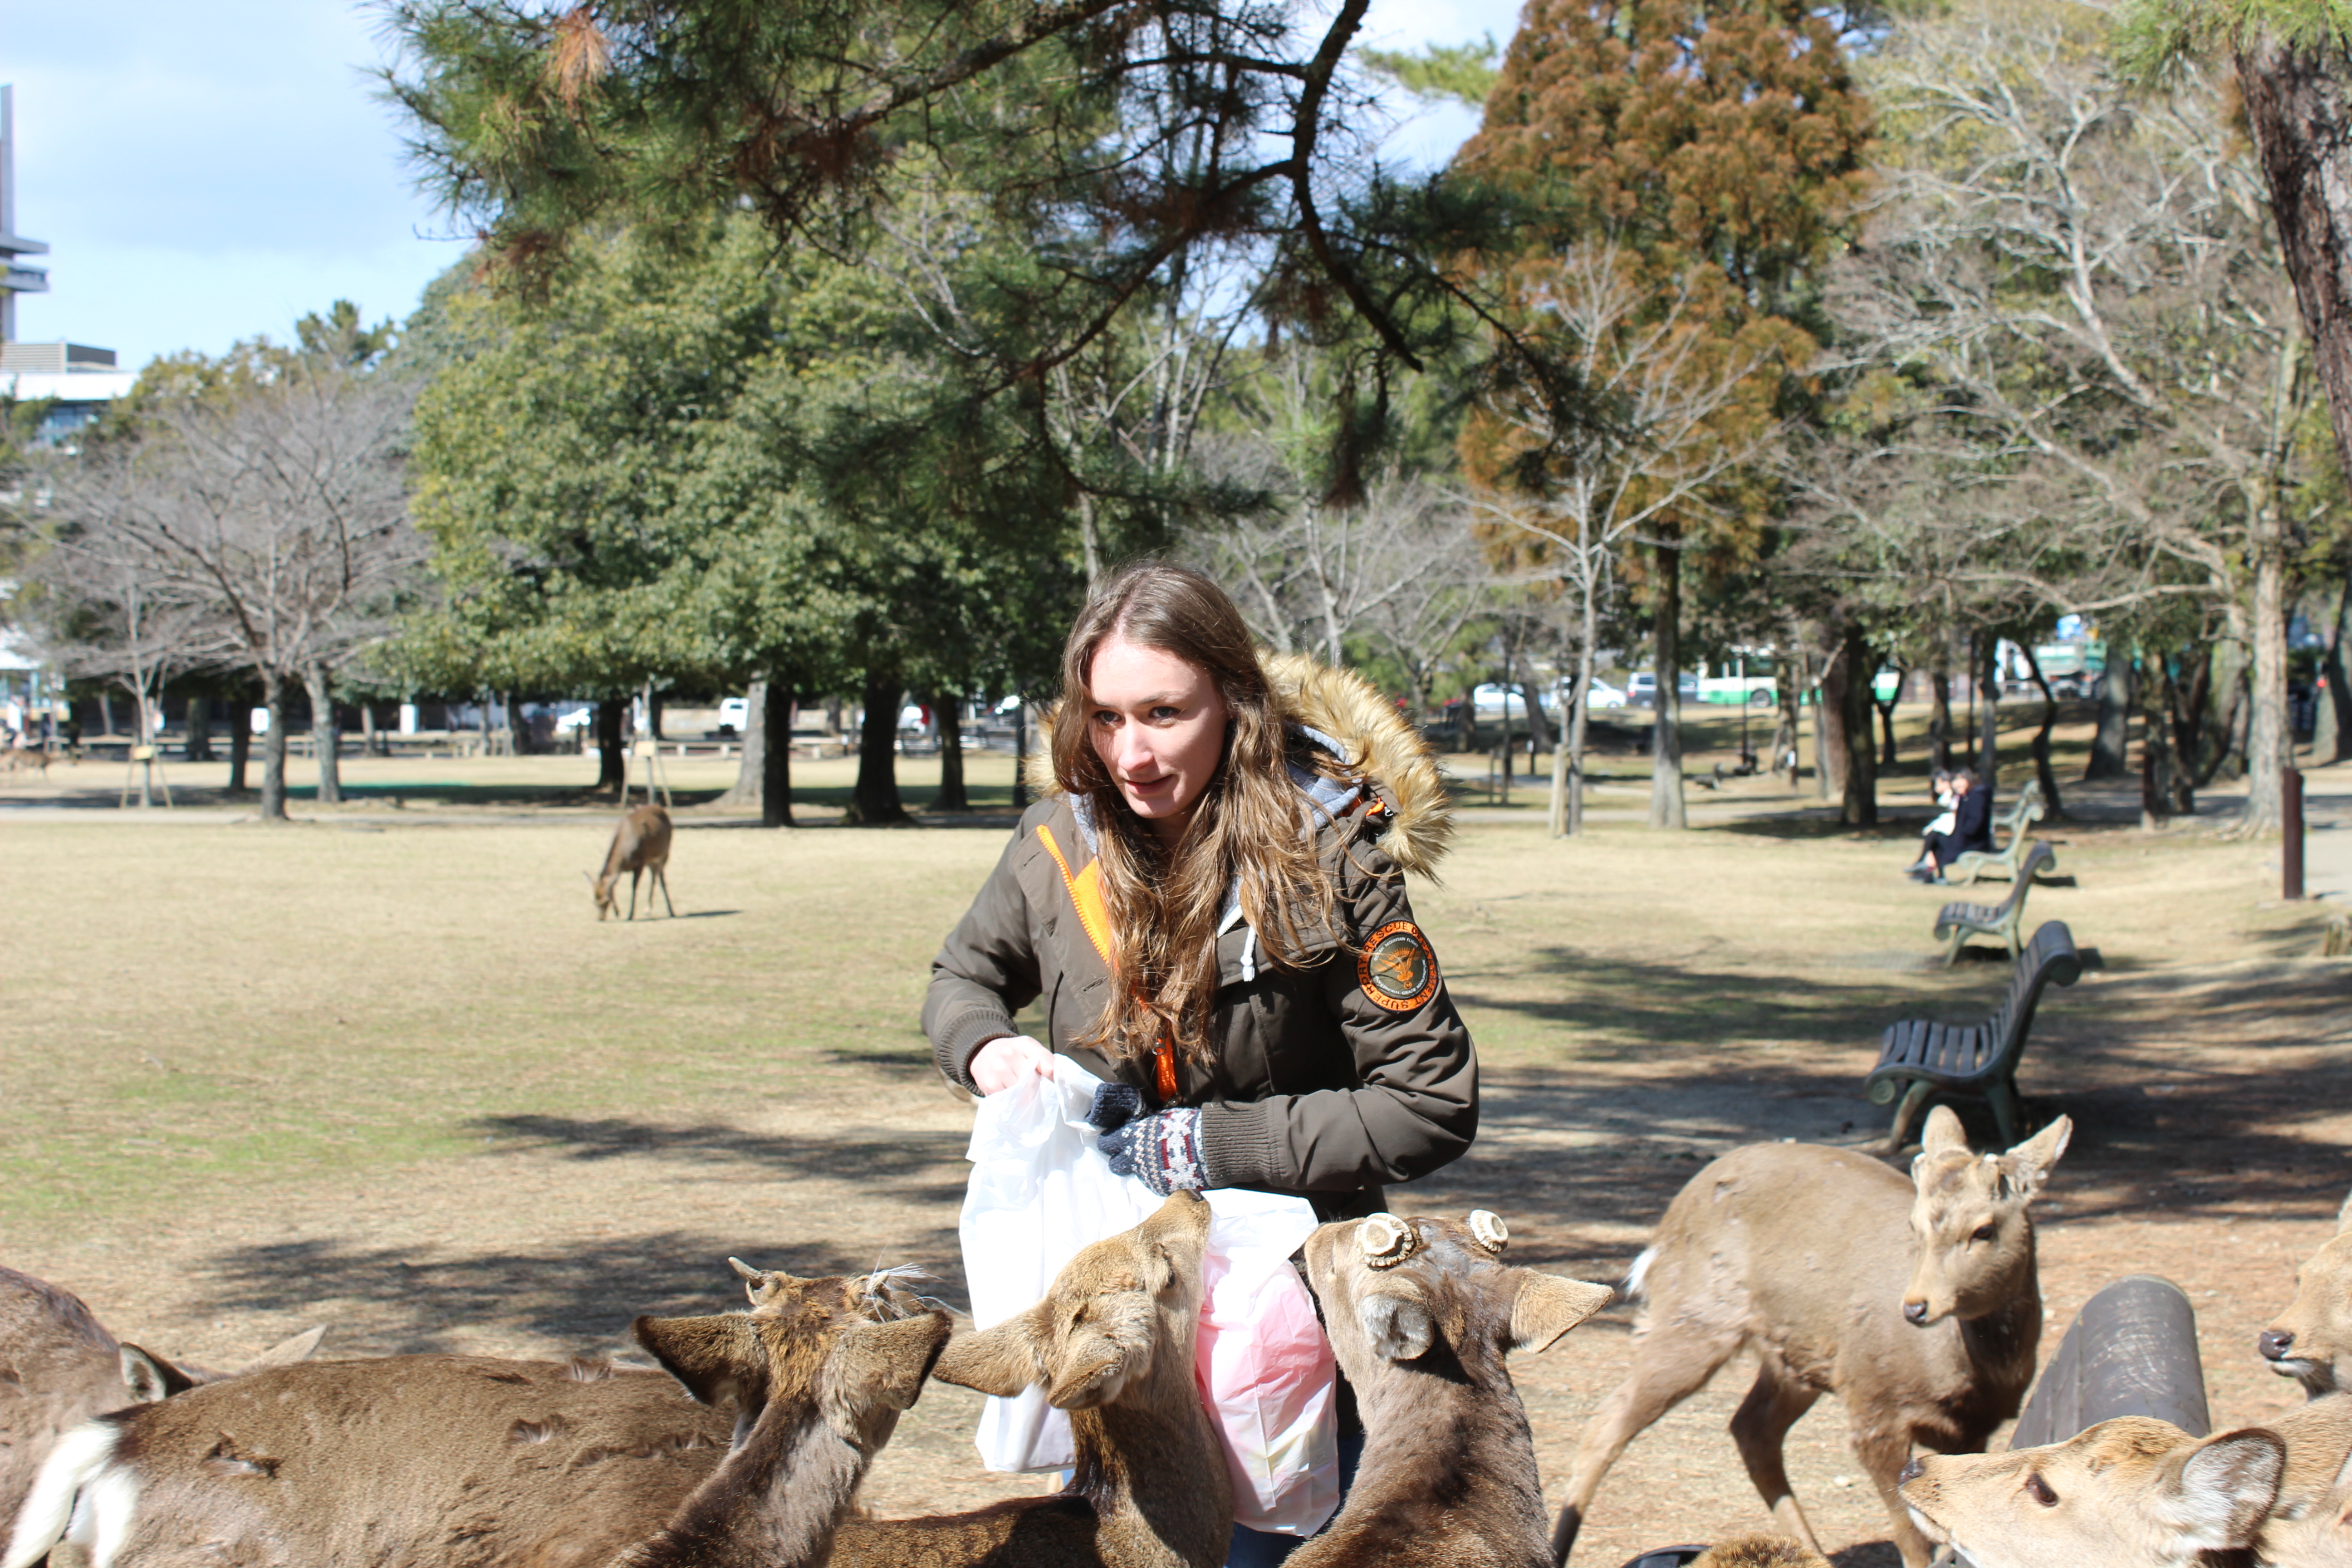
1209	912
1972	827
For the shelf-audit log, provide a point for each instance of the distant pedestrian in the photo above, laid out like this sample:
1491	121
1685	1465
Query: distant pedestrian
1971	829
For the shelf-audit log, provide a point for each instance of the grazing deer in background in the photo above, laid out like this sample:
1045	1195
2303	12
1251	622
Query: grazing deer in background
1113	1344
2311	1342
1422	1314
2136	1493
1917	1303
59	1366
640	843
458	1461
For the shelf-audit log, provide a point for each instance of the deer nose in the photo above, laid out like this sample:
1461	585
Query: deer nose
2275	1343
1912	1471
1915	1311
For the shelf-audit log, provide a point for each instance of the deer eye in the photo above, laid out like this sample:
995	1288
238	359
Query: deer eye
2040	1490
1982	1233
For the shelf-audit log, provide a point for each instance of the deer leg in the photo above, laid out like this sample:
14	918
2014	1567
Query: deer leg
1669	1367
661	880
634	876
1884	1447
1913	1098
1759	1427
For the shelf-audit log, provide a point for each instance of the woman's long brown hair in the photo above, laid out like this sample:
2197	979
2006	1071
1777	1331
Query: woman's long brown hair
1165	905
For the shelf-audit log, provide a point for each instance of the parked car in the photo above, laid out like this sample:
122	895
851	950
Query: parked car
1642	687
1601	695
734	715
1494	700
580	718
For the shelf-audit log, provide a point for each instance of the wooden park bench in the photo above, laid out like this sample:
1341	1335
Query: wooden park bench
1959	922
2029	807
1919	1056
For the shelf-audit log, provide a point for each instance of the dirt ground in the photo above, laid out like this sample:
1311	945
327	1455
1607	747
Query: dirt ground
384	1071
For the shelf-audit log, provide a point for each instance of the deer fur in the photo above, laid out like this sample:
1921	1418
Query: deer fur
2136	1493
1917	1303
817	1371
640	843
2311	1342
1113	1344
1759	1551
1420	1314
59	1366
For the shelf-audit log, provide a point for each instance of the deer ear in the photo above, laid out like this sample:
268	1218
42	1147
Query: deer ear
713	1357
1002	1360
2029	1163
1549	1306
1943	1134
2343	1214
1398	1326
878	1368
286	1353
2218	1501
150	1377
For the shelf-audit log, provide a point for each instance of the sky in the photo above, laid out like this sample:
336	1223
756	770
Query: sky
207	173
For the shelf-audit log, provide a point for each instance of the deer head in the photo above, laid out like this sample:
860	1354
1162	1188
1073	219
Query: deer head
1968	1215
1121	1316
2311	1342
1392	1288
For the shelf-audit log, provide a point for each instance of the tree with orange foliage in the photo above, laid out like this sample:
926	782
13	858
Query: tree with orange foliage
1694	162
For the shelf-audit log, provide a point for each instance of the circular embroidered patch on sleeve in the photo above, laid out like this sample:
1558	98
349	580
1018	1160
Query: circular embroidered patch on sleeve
1397	970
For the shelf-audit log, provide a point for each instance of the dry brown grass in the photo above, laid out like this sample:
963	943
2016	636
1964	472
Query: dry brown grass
392	1075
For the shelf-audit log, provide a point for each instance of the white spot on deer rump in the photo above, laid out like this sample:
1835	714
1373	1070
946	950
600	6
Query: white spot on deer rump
53	1507
1638	1280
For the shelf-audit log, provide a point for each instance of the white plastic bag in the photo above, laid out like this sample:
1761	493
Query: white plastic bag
1041	1189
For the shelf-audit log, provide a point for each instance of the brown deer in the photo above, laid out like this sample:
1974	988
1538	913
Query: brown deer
640	843
1759	1551
2311	1342
1113	1344
59	1366
1422	1314
1916	1303
436	1461
2135	1491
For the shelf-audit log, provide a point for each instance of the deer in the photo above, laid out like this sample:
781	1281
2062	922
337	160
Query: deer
1420	1314
1917	1303
59	1366
2137	1492
640	843
437	1462
1113	1344
2311	1342
1759	1551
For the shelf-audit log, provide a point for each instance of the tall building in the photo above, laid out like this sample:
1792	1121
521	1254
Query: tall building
16	278
74	380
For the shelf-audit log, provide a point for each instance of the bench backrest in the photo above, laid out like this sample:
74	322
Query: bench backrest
2036	857
2049	956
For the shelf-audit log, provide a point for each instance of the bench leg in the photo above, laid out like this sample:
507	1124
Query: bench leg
2002	1092
1952	948
2016	946
1905	1112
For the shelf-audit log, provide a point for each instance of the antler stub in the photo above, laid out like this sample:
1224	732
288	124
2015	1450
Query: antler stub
1487	1229
1387	1240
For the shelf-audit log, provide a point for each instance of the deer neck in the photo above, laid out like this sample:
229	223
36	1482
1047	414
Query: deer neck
773	1502
1152	1448
1446	1435
2006	1339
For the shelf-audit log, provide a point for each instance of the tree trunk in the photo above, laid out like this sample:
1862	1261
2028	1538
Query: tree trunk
2111	742
1989	753
1832	708
200	729
2192	699
1940	716
773	715
948	712
1858	801
105	711
2041	770
240	737
611	762
2155	794
2298	113
875	801
1785	736
1567	760
518	731
751	772
326	739
2267	741
1667	806
273	748
654	700
1539	739
371	741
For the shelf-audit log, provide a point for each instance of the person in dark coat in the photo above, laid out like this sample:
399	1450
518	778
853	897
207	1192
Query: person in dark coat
1971	826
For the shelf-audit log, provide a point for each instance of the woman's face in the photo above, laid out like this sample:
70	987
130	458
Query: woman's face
1158	723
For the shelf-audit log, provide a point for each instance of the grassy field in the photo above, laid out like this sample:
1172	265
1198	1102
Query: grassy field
383	1068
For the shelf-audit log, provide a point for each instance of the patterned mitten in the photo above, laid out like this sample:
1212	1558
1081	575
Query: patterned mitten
1162	1151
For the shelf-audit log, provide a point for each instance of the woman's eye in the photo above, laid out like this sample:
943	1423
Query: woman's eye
1164	714
1106	717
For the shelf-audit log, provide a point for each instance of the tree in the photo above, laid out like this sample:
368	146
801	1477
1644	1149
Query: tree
1713	152
265	494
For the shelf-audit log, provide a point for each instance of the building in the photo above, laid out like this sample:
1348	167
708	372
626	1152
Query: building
76	381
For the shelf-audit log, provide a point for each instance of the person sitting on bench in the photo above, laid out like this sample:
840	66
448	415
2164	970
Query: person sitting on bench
1972	827
1939	784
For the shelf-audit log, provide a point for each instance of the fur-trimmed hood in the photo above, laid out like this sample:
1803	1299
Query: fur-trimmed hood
1343	706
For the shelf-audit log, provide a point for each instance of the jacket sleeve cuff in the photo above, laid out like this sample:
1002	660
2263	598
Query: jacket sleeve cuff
961	1039
1238	1147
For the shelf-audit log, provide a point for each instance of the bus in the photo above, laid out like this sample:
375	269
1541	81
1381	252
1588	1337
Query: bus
1746	675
